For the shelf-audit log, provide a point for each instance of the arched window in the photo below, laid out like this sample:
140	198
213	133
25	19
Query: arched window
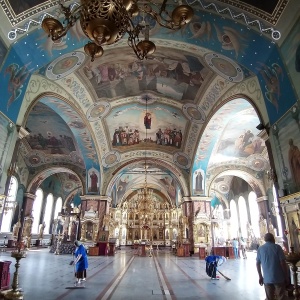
36	210
58	207
243	216
234	222
254	214
10	204
48	213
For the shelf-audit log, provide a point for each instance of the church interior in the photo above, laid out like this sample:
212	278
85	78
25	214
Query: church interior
147	128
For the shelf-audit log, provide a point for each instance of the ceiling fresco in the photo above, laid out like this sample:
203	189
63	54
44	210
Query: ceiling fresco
231	137
175	75
159	126
215	130
130	181
239	138
39	122
243	53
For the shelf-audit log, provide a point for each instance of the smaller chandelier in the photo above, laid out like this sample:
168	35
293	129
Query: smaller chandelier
145	202
105	22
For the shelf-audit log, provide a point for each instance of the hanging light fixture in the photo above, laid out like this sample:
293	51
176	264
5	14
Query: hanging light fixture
105	22
146	204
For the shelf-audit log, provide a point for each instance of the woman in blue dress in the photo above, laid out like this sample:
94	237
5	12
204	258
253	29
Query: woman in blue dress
81	262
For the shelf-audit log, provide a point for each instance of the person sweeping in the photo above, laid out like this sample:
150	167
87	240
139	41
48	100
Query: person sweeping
212	264
81	262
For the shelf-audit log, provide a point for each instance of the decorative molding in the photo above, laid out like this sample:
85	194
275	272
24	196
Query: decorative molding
14	20
275	34
22	132
271	18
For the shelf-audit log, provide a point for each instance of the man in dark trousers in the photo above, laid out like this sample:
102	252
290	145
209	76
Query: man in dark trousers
271	259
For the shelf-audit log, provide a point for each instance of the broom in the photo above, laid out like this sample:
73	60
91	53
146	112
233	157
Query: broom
227	278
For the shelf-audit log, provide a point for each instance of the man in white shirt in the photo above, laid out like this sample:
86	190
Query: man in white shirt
243	247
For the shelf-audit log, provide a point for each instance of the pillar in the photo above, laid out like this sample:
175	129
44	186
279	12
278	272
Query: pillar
22	133
191	207
26	218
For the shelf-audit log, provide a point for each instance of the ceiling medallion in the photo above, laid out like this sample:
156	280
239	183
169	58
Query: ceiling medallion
64	65
194	113
97	111
257	162
222	187
225	67
110	159
182	160
105	22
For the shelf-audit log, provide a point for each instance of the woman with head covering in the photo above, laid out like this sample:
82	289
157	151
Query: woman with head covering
81	262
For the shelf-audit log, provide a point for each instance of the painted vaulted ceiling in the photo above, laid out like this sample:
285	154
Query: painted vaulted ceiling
185	114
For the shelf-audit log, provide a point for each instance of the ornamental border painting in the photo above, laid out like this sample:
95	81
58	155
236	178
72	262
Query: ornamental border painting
18	10
291	53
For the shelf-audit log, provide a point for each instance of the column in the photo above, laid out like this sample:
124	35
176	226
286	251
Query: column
26	218
22	133
263	204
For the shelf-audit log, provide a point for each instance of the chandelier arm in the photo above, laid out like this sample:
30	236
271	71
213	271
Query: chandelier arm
158	17
133	38
71	16
56	36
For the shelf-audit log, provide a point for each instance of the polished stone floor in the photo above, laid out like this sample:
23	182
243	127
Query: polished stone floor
45	276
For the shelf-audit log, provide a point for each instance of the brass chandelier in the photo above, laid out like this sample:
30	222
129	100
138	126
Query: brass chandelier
105	22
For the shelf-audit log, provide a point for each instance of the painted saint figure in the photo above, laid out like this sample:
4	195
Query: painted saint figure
198	182
294	161
295	236
147	120
94	182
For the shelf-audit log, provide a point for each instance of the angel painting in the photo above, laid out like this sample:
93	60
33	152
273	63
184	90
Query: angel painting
17	77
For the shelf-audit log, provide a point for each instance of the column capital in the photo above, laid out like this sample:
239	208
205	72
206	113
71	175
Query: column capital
195	198
30	196
96	198
262	198
264	135
22	132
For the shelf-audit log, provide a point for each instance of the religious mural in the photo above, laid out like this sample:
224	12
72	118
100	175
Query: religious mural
17	75
169	185
59	140
93	181
272	76
198	182
287	143
52	185
239	138
229	136
166	182
121	186
177	75
133	125
293	233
